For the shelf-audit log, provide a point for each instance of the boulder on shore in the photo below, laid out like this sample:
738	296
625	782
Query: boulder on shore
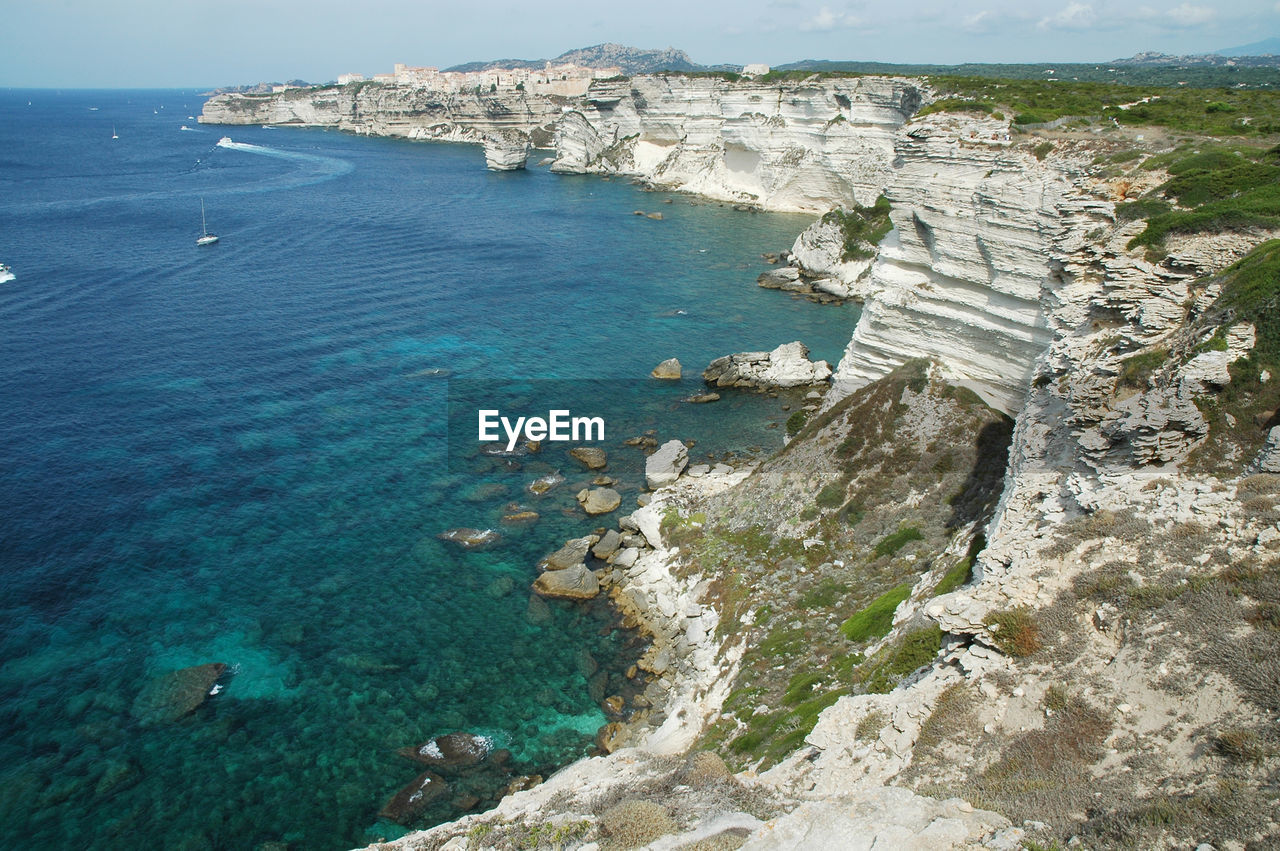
664	466
609	544
668	370
572	583
599	500
170	696
573	552
786	366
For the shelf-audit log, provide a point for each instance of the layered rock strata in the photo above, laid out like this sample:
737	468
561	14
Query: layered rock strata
780	146
403	111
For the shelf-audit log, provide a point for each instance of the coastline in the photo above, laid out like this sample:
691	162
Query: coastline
1007	285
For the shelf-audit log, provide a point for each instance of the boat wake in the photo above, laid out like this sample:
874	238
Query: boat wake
326	168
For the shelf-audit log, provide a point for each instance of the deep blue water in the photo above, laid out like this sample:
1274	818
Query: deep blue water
238	454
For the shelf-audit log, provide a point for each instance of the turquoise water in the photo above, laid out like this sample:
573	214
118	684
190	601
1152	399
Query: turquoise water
240	454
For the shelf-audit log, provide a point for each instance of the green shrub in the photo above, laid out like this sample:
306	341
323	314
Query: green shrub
831	496
635	823
796	421
1042	150
863	228
890	544
876	619
1143	208
962	572
959	575
892	664
1223	188
1137	370
954	105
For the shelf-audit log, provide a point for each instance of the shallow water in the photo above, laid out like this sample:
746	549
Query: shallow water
239	454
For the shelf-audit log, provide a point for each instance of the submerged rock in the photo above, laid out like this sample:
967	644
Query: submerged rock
520	518
471	539
451	751
664	466
542	484
411	801
170	696
702	398
592	457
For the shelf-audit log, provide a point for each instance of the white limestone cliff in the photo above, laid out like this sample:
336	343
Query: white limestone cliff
779	146
378	109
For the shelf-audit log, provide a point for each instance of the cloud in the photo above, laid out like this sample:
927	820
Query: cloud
1076	16
827	20
977	22
1187	15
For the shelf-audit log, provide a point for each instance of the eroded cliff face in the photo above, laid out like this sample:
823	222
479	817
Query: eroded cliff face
778	146
392	110
965	274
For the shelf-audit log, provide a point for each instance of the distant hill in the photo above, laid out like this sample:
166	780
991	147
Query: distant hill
632	60
1266	47
1144	69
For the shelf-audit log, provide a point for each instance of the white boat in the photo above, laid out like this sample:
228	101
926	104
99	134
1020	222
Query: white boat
224	141
206	238
114	135
6	274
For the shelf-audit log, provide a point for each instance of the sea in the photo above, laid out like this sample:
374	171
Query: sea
246	453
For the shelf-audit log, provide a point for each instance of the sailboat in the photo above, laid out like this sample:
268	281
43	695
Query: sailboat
206	238
113	132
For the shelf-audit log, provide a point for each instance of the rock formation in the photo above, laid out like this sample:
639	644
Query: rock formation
665	466
406	111
599	500
668	370
786	366
172	695
1027	553
789	146
507	150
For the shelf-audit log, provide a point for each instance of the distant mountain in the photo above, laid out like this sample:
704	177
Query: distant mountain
632	60
1266	47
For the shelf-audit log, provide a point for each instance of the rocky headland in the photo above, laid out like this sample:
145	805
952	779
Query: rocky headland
1014	583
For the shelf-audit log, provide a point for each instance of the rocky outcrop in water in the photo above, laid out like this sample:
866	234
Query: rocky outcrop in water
786	366
506	151
168	697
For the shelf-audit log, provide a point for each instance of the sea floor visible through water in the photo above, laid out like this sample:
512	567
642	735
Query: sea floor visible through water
239	454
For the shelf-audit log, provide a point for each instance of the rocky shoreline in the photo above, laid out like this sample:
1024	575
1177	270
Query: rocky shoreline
1025	550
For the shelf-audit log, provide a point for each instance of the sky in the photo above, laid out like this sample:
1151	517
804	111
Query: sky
181	43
